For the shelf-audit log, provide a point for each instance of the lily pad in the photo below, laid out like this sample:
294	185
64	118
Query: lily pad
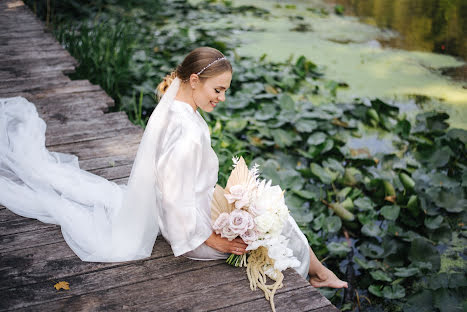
371	229
265	112
316	138
283	138
338	249
333	224
371	250
406	272
364	203
380	276
394	292
306	125
325	175
433	222
390	212
236	125
421	250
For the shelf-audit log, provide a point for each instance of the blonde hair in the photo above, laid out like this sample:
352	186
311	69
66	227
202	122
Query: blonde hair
196	61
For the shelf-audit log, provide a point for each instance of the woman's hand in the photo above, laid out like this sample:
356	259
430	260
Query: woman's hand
236	246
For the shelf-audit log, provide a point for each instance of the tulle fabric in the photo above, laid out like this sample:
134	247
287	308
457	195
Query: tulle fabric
100	220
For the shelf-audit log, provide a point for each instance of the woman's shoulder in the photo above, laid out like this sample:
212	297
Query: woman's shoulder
182	127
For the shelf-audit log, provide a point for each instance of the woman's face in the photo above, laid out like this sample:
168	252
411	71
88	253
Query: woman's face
209	93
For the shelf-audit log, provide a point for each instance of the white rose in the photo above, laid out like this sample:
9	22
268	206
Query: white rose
240	221
221	222
239	195
256	210
228	233
249	236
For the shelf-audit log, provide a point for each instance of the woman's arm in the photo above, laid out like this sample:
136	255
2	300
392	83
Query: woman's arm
236	246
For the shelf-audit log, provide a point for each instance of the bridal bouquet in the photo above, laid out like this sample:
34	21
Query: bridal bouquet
255	211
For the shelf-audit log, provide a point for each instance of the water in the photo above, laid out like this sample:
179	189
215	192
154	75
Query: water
423	25
358	53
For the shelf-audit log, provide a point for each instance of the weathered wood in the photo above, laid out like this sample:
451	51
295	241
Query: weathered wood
106	162
43	47
198	290
31	84
89	136
24	240
106	278
123	181
6	216
27	269
112	173
21	225
119	145
305	298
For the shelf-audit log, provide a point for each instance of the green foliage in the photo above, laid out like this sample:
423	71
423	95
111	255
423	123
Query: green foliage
387	216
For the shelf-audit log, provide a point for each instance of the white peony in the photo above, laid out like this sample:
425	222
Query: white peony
221	222
265	221
240	221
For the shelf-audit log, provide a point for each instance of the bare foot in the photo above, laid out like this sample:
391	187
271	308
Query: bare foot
326	278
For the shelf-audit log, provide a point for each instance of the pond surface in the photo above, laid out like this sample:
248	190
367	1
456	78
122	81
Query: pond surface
423	25
348	50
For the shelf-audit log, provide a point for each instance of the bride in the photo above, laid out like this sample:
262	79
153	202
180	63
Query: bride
169	190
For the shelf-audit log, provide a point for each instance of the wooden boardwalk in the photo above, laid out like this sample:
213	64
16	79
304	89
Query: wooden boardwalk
34	256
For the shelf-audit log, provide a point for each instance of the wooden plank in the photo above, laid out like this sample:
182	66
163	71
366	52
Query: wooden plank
30	48
120	145
89	135
112	173
25	270
21	68
44	37
198	290
78	104
106	162
21	225
34	55
40	237
305	298
107	278
328	308
9	25
123	181
74	87
6	216
71	125
30	84
17	43
21	34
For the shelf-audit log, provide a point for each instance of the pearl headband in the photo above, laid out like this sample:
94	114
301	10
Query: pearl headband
209	65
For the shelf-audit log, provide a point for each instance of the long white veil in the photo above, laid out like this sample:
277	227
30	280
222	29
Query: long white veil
100	220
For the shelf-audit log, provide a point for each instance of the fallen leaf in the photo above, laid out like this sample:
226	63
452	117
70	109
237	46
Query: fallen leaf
391	199
62	285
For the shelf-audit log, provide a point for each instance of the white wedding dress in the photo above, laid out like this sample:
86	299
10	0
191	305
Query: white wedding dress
169	190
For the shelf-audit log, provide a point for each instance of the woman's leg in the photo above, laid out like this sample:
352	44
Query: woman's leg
321	276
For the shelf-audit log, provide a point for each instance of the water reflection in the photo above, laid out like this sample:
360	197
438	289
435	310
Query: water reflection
424	25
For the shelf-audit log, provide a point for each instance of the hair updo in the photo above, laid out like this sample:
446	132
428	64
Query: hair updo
193	63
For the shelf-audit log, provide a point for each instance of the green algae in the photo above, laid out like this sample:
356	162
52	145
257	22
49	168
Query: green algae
451	261
349	51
